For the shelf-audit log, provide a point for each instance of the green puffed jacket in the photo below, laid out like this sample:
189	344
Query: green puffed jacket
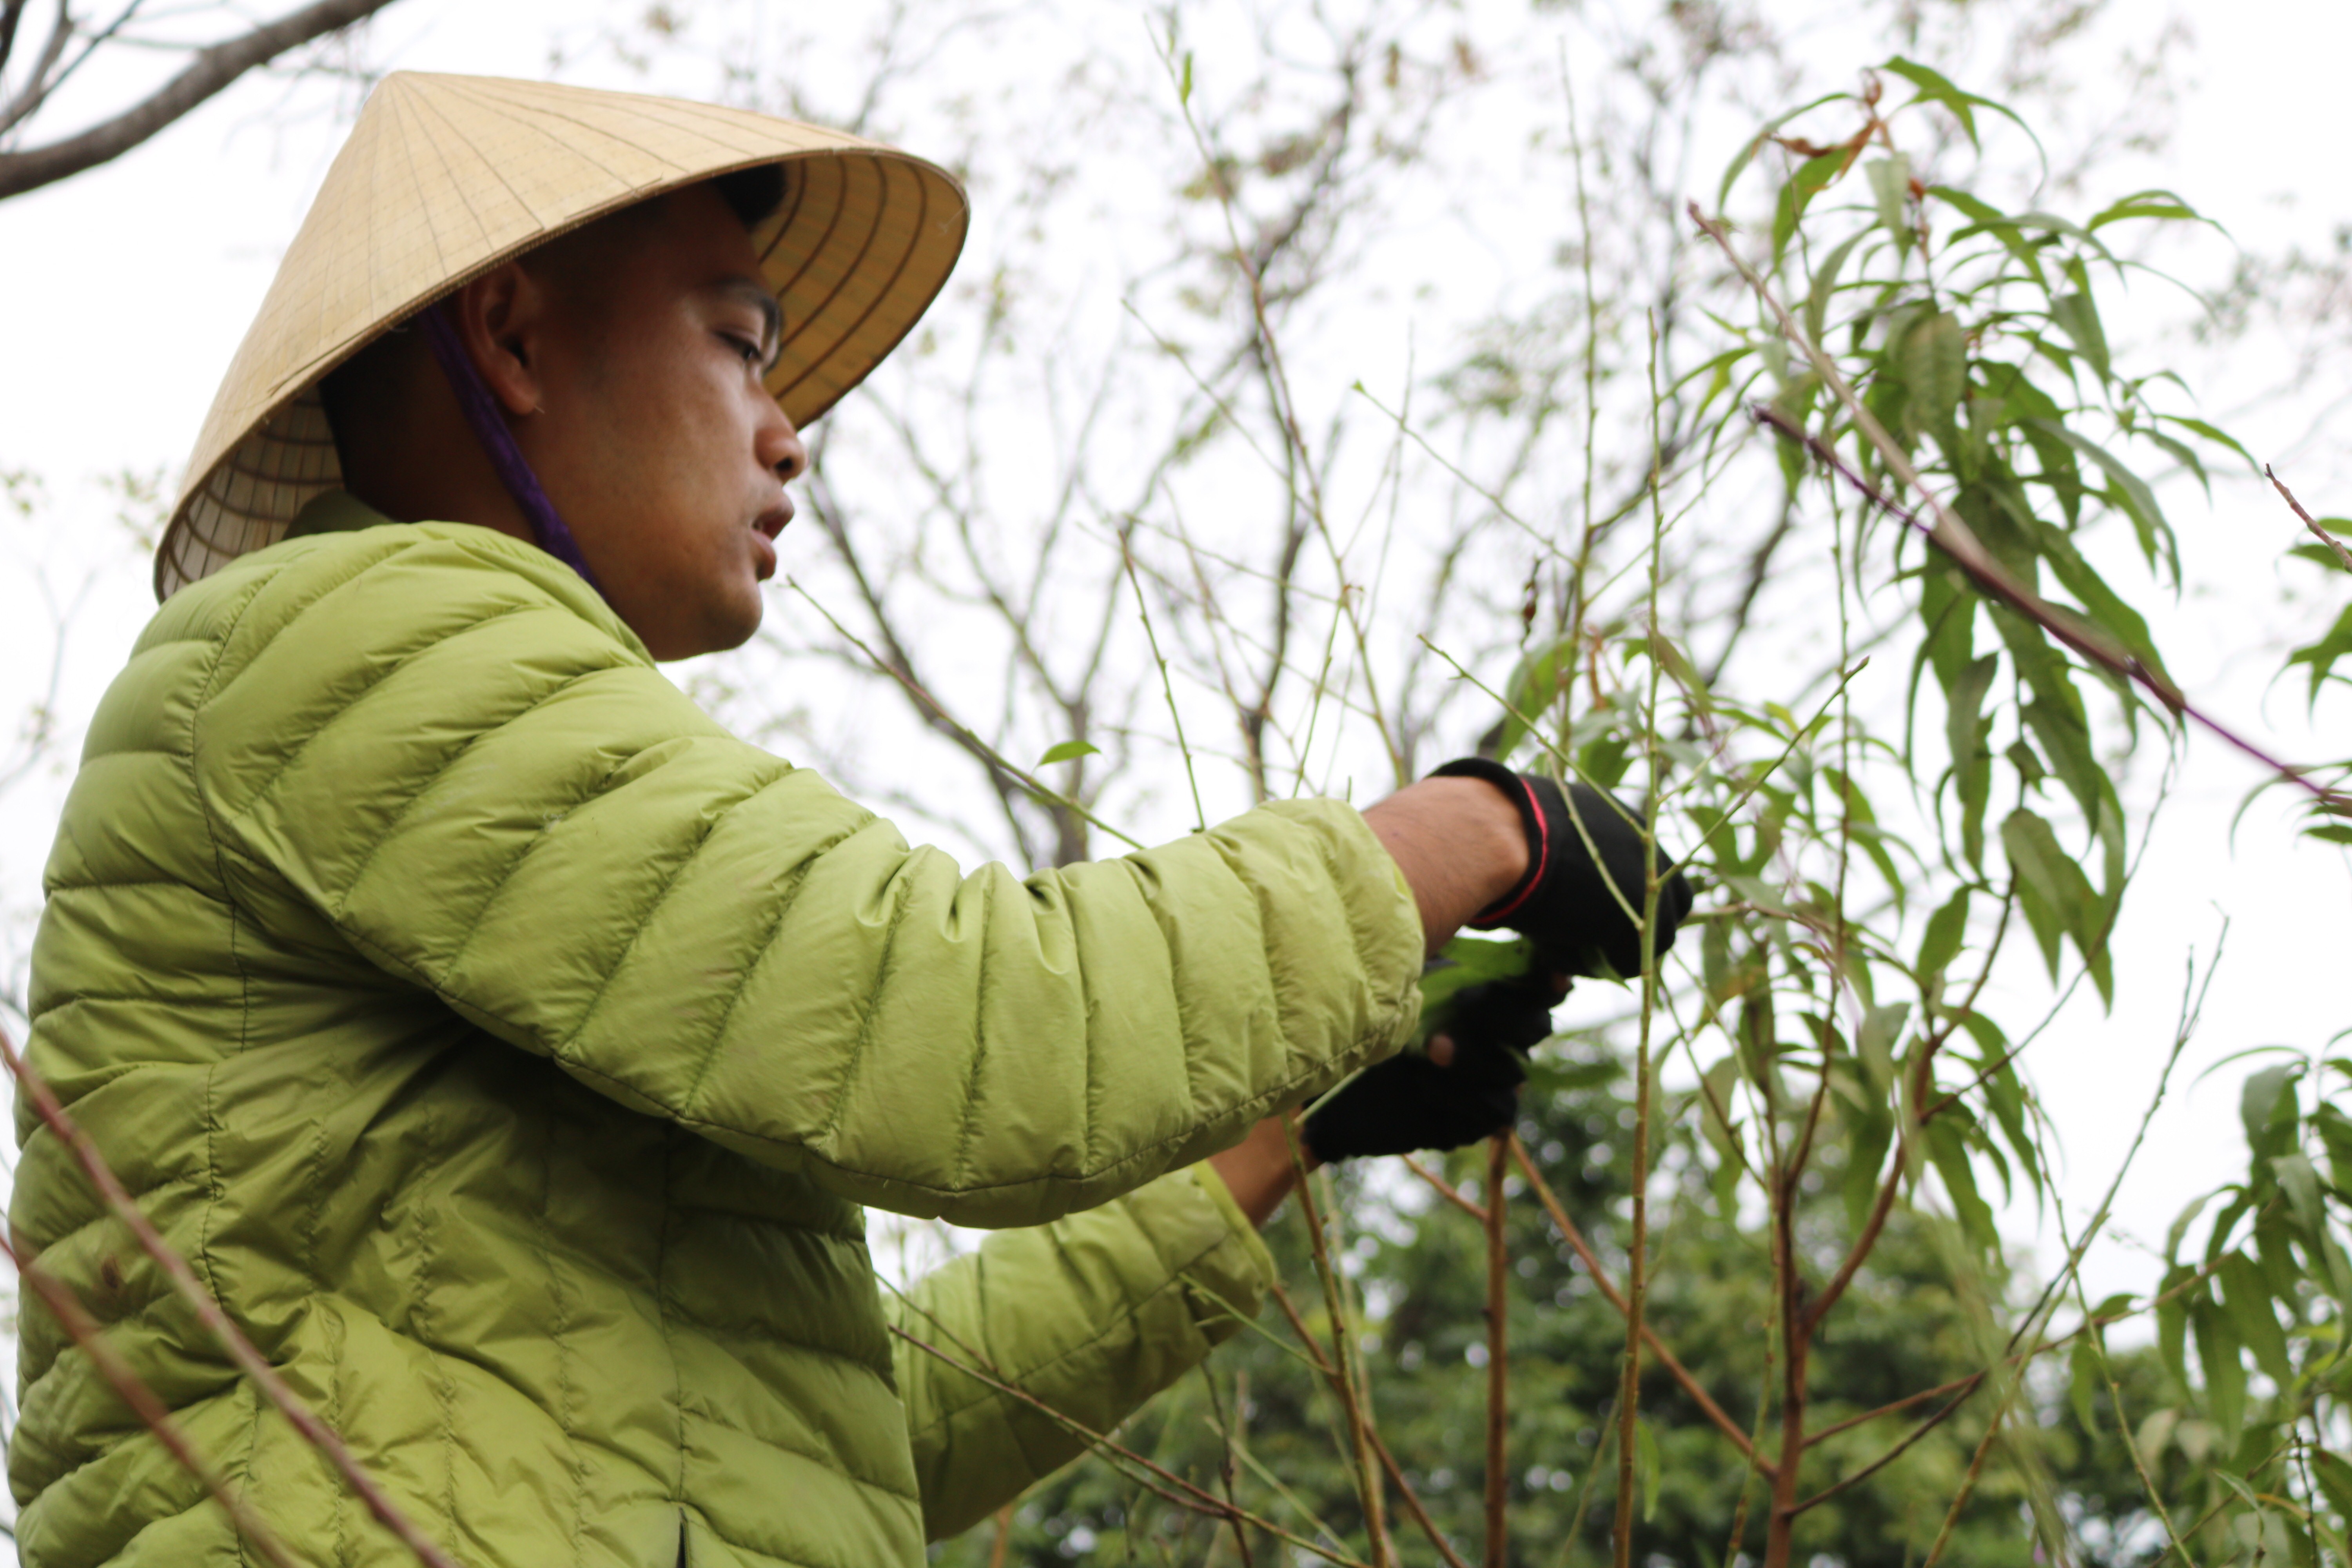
510	1048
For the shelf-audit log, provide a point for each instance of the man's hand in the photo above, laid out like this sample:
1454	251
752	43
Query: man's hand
1580	895
1466	1089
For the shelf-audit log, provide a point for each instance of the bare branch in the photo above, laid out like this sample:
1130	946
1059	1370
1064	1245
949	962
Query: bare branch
212	70
37	85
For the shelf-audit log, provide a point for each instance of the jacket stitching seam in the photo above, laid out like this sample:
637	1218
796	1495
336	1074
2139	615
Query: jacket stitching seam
956	1167
375	682
205	695
636	932
866	1022
417	798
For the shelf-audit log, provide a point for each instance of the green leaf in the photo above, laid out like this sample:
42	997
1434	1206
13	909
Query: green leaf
1817	301
1812	177
2172	1328
2161	205
2179	1231
1881	1026
2078	317
2300	1180
1948	1150
1184	87
1533	687
1866	1155
2130	494
1991	220
2322	654
1890	185
2049	876
1069	751
1465	961
1946	929
1936	88
1964	726
2155	1433
2083	1380
2218	1353
2268	1109
2217	437
1646	1467
2247	1299
2335	1130
1934	369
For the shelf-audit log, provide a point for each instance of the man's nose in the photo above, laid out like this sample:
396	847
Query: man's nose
778	445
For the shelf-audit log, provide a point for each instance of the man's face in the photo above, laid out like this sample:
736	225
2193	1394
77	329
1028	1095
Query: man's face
654	436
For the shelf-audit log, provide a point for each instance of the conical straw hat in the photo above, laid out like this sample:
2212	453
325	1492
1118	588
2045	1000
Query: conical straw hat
447	176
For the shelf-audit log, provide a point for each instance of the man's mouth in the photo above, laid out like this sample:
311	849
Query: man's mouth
771	521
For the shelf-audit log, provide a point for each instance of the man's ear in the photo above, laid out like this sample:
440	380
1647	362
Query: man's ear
500	317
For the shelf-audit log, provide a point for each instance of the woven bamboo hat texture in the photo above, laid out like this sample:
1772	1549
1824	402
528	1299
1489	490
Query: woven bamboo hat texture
446	178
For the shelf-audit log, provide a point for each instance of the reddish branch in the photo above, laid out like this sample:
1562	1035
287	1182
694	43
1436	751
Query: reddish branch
183	1280
1959	544
84	1331
212	70
2083	637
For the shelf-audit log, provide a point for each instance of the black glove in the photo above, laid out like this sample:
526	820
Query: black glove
1409	1102
1564	905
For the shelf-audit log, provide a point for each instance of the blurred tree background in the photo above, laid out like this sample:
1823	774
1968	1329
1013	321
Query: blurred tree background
1335	386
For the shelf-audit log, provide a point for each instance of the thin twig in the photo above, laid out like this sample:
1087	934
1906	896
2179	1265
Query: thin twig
1167	690
1446	1190
248	1360
1413	1504
963	733
1888	1457
2309	522
1184	1494
1368	1479
1609	1293
1968	1481
1499	1354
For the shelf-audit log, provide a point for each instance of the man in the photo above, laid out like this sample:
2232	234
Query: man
510	1048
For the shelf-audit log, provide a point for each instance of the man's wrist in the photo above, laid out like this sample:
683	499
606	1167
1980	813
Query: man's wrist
1460	845
1534	833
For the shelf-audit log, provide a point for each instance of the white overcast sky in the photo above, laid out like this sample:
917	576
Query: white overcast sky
125	292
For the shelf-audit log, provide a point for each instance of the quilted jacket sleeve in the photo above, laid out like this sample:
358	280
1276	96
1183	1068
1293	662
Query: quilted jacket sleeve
444	744
1090	1316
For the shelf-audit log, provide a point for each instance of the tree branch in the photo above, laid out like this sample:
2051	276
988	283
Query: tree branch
212	70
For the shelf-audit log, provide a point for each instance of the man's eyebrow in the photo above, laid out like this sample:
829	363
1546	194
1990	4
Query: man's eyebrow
754	293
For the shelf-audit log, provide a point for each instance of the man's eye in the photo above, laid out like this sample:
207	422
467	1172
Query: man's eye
747	348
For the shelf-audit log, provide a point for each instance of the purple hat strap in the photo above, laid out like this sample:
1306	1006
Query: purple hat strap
489	424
